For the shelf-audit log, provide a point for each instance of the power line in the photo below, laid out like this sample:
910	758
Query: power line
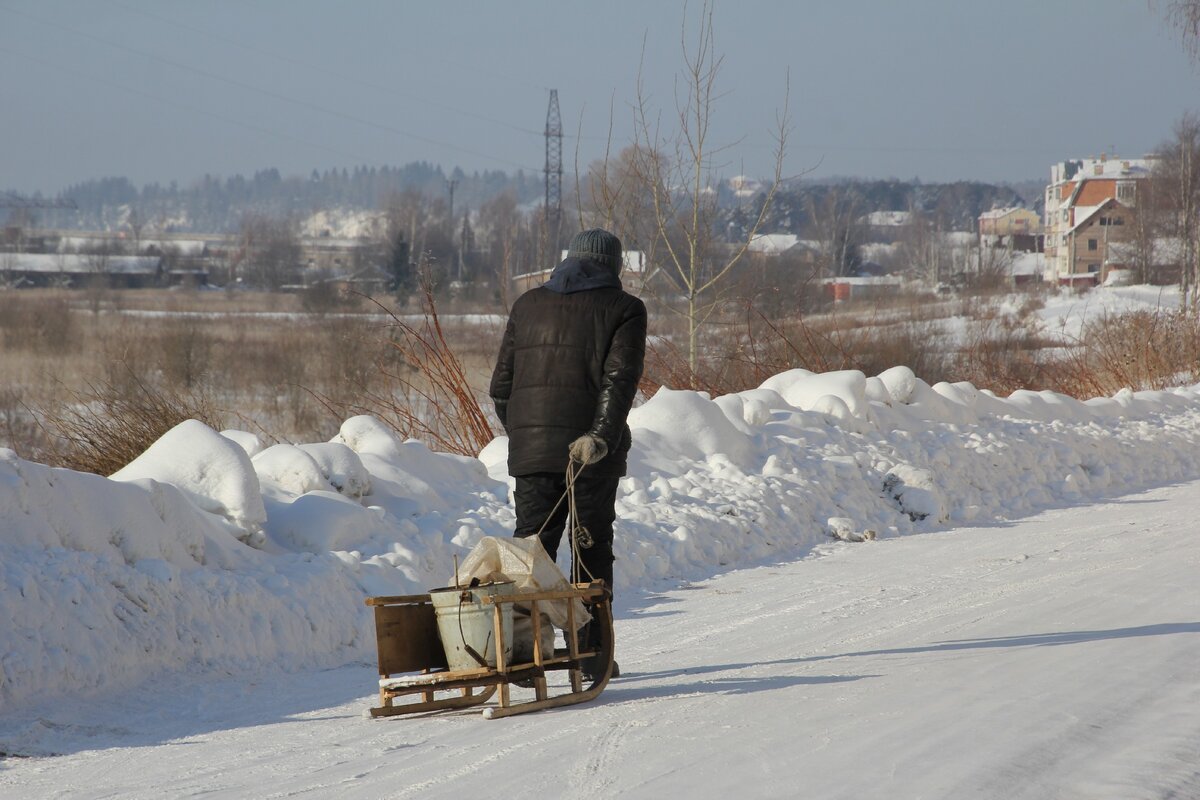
270	93
92	76
14	200
390	90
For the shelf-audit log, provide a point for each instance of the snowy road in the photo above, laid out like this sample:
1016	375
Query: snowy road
1054	657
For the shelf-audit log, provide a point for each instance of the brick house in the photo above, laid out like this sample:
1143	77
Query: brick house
1093	245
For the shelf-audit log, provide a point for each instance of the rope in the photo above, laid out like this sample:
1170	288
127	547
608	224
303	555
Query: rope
581	539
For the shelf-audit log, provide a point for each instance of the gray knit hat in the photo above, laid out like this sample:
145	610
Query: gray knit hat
596	245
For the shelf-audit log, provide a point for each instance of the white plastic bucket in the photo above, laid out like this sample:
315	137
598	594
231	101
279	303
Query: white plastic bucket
465	620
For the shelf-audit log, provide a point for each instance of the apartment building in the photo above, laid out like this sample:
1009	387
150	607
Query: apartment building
1090	204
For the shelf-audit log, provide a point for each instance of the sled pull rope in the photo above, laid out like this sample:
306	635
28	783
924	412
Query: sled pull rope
581	539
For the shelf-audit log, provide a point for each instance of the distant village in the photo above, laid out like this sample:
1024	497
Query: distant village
1092	229
1091	232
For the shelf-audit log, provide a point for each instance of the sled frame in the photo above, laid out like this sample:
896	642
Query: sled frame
407	642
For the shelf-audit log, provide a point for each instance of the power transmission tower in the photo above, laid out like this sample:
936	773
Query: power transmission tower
554	170
18	203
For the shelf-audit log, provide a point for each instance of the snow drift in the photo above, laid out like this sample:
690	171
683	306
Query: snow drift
211	552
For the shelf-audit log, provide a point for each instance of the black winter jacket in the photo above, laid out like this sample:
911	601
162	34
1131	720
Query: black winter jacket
569	364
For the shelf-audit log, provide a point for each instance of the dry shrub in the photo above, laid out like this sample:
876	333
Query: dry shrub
426	393
667	366
18	425
184	351
742	357
324	298
105	426
1136	350
40	324
1002	350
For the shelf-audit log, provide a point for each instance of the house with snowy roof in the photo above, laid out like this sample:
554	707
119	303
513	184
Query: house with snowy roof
886	219
773	244
635	271
1090	204
744	187
73	269
1011	221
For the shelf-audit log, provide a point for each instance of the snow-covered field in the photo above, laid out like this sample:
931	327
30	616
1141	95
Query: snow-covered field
1065	312
195	624
1060	318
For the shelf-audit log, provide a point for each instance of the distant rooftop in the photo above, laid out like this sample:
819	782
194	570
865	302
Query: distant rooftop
1104	167
999	213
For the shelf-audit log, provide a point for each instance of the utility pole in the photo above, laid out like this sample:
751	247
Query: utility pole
452	183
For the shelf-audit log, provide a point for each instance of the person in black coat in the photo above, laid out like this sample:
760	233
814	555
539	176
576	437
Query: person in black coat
564	383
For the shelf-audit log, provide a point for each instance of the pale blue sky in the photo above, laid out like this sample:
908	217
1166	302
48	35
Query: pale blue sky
937	89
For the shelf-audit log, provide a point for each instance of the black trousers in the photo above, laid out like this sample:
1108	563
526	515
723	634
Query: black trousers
595	501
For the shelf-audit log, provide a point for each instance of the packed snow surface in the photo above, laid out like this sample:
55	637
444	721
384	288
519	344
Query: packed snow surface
212	555
1054	657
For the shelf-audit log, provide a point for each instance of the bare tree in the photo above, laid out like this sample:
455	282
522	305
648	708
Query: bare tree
993	266
8	266
1184	16
676	169
98	260
136	226
21	221
923	247
834	221
1146	224
1177	178
270	250
508	241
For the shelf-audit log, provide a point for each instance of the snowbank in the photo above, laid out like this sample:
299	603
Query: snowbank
210	552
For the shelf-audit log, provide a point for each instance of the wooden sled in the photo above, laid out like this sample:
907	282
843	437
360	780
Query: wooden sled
407	639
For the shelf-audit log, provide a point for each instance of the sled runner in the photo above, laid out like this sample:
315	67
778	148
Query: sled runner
407	638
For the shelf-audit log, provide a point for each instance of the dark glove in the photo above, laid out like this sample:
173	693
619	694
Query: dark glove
588	449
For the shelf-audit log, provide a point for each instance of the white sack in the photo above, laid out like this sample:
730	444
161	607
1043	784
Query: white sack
525	563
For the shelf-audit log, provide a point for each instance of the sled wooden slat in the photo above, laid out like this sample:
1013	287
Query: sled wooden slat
493	712
439	680
465	701
397	599
589	593
407	641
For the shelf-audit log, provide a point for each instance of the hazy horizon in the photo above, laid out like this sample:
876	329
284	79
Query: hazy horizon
932	89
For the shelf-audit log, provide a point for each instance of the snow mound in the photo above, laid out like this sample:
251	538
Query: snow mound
690	425
367	435
212	471
289	469
914	491
209	552
341	467
246	440
807	391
